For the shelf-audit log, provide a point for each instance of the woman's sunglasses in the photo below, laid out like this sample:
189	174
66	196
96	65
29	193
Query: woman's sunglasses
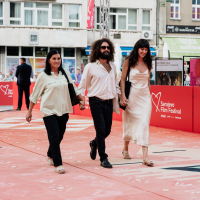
104	47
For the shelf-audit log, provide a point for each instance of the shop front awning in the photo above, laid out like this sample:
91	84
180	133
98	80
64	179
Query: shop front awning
125	50
179	47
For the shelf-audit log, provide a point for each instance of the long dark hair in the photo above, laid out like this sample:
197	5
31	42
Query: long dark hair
47	69
133	57
95	50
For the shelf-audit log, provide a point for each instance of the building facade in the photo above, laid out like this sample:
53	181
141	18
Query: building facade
179	29
31	28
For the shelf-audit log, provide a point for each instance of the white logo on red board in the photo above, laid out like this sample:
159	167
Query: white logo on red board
165	107
5	89
156	100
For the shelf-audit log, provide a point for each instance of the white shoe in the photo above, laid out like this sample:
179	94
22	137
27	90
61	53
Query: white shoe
50	161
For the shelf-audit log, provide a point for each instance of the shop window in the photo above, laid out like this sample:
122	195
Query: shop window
1	13
120	19
27	51
175	9
146	26
41	51
196	9
36	14
58	49
74	16
12	51
69	52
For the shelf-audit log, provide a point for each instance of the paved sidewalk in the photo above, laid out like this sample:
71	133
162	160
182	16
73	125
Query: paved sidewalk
25	174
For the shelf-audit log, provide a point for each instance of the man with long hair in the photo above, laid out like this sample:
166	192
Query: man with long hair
100	77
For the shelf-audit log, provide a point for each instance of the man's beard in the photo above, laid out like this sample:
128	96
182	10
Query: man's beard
105	55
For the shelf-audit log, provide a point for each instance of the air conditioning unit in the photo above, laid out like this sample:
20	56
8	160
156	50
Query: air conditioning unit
148	35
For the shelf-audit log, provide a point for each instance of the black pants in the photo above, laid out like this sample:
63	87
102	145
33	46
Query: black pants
25	89
56	127
102	116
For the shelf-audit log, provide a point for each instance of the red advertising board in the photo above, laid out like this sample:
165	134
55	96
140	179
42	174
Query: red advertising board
172	107
6	93
15	97
196	109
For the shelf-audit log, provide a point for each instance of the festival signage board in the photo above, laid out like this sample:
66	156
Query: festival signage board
172	107
169	72
90	14
40	65
69	64
195	72
196	109
11	64
6	93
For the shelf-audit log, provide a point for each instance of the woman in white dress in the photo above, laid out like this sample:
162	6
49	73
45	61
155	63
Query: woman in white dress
136	116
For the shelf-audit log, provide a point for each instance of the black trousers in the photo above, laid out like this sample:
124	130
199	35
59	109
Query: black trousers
56	127
102	112
25	89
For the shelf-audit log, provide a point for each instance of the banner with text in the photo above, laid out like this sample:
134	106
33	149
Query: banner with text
172	107
169	72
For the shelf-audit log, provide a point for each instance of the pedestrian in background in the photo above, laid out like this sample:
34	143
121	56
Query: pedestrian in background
7	78
52	87
12	76
23	74
136	117
100	77
78	75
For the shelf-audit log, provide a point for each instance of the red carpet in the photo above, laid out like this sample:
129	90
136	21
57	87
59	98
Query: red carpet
25	173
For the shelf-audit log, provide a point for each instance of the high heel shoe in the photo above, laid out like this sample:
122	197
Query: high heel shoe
126	154
146	161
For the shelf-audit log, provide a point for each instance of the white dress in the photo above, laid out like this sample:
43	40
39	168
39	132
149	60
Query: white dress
136	117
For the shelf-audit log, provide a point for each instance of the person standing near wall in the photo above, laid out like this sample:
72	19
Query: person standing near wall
23	74
100	77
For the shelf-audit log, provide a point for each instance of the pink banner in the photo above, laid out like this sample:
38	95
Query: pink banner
195	72
90	15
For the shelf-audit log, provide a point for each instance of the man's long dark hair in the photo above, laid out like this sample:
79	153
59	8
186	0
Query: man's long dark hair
95	50
133	57
47	69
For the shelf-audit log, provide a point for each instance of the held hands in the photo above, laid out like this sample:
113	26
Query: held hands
123	101
28	116
82	105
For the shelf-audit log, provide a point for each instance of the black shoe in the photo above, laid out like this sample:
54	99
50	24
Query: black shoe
93	152
106	164
18	109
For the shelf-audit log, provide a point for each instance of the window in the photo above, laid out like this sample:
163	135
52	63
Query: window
69	52
27	51
196	9
36	14
146	26
57	15
74	16
175	9
12	51
120	19
41	51
1	13
15	13
58	49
